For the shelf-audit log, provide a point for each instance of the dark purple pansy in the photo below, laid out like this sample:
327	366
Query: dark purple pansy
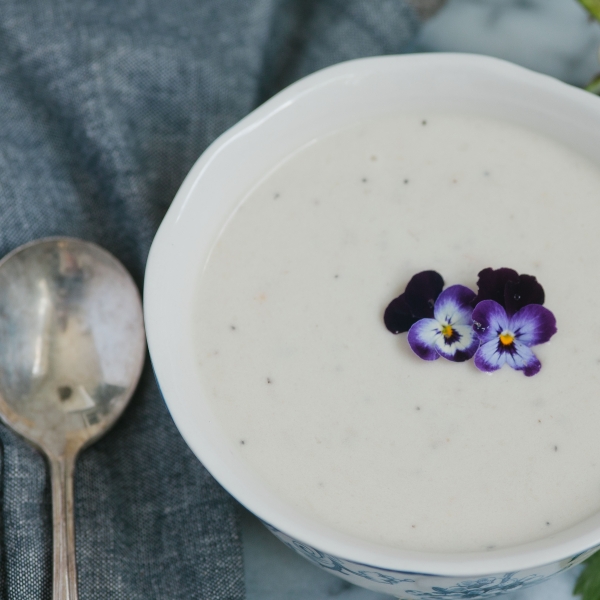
450	332
416	303
506	338
509	289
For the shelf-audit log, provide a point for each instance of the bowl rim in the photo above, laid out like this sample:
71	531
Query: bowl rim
157	298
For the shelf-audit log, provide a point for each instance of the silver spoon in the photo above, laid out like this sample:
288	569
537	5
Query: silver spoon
72	348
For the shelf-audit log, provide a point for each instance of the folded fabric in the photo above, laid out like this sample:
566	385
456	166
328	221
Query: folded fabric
104	107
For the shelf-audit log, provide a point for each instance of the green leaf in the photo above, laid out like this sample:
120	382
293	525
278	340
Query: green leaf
588	583
593	7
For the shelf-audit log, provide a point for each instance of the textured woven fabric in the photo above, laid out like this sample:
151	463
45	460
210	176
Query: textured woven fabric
104	107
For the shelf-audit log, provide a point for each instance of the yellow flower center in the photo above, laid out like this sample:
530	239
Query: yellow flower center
506	338
447	331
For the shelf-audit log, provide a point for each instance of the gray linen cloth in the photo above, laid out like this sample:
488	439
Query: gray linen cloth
104	107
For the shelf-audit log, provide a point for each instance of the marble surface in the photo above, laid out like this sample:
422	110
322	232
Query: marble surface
550	36
555	37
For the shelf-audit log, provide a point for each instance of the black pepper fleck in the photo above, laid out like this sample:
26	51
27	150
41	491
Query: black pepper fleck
423	122
336	276
547	522
242	442
268	380
64	392
233	328
555	448
418	408
275	196
364	180
406	181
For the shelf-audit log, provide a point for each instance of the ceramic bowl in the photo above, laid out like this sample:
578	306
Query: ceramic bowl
315	106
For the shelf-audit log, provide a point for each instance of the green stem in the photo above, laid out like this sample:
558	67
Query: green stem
593	7
594	85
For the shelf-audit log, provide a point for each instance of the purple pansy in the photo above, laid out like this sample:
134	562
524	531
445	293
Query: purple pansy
509	289
415	303
449	333
506	338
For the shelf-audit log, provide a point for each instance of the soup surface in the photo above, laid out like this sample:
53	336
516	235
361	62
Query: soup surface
338	416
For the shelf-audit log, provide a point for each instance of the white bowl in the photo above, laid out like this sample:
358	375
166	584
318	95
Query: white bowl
317	105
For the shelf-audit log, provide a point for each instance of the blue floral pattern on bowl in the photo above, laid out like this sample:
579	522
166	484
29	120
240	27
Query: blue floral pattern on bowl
485	587
422	586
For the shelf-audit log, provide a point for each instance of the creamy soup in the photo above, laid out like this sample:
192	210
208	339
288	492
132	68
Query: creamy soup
339	417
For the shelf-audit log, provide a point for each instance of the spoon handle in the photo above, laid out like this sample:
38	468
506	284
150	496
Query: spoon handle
63	528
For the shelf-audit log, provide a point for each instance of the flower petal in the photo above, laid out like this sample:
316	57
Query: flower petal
523	359
489	357
533	325
422	292
491	284
398	317
461	346
422	336
415	303
526	290
453	305
489	320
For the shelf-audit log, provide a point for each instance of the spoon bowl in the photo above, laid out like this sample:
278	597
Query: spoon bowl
72	352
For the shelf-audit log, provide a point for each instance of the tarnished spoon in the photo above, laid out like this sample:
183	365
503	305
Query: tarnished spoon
72	348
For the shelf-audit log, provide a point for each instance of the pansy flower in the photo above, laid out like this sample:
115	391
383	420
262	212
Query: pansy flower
506	338
509	289
450	332
415	303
